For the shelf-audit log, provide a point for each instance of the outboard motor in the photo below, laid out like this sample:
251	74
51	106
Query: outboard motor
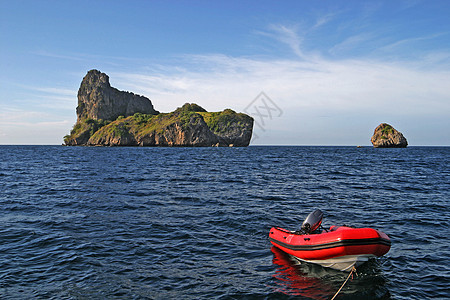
312	221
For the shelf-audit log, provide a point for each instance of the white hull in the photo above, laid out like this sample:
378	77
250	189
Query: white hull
342	263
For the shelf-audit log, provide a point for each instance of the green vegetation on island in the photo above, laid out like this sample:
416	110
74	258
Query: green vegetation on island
386	136
159	130
109	117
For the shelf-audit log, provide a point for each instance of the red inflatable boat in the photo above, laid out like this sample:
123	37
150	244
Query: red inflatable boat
339	248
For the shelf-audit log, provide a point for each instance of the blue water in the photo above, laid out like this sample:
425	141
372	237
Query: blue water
193	223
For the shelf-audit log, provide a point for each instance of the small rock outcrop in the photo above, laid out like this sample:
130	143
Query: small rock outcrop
386	136
108	117
97	100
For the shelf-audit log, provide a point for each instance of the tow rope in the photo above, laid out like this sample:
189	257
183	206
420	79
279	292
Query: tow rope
351	274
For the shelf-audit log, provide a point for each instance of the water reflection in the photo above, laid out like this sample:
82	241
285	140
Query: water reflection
290	279
315	282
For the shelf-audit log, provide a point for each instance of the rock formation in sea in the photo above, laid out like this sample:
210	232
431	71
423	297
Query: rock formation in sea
386	136
109	117
97	100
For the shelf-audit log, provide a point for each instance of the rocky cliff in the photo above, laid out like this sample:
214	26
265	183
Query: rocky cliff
97	100
189	125
386	136
104	118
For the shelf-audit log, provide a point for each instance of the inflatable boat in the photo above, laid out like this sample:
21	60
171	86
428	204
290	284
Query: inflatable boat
340	247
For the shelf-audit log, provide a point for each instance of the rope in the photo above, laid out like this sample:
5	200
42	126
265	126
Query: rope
351	274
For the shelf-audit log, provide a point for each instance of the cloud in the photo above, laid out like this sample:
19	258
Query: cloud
287	35
350	43
40	115
55	91
324	19
355	95
85	57
49	98
13	117
321	98
400	44
20	126
407	4
308	86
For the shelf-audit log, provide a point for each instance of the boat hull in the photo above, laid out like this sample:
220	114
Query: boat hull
341	263
340	248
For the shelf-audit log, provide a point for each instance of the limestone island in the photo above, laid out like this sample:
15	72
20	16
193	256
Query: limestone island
386	136
109	117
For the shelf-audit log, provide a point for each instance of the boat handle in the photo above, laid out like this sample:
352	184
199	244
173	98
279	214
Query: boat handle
306	239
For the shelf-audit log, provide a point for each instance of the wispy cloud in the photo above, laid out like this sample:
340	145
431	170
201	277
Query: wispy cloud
39	115
324	19
22	126
287	35
342	85
290	37
351	43
50	98
88	58
307	85
75	57
406	4
395	46
55	91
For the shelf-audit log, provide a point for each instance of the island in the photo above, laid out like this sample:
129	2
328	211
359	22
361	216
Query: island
386	136
109	117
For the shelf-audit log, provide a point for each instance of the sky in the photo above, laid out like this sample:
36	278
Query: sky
309	72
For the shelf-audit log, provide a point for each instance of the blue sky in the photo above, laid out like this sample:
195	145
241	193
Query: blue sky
333	70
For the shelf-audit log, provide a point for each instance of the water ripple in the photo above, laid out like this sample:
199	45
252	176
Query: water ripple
163	223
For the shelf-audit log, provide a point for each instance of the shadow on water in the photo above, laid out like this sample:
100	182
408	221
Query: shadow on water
308	281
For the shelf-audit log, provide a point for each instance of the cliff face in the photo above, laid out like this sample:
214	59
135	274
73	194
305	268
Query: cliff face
97	100
108	117
386	136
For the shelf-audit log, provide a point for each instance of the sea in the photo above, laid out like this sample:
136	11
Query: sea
193	223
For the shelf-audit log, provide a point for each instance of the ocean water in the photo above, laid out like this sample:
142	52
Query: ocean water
193	223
